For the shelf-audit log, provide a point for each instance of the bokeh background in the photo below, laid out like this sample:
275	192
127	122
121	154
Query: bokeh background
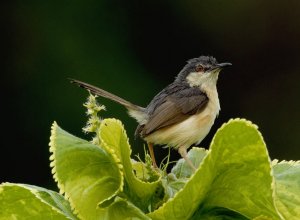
134	49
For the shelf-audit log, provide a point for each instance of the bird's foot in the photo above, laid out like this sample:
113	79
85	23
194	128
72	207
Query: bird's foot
151	151
182	151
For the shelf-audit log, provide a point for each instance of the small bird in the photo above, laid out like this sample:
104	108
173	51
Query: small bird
183	113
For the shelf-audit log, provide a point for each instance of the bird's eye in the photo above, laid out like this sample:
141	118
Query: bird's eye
199	68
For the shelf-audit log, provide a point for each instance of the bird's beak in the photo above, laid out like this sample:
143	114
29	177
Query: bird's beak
220	66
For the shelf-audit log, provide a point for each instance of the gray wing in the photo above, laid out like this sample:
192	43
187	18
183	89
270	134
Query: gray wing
174	108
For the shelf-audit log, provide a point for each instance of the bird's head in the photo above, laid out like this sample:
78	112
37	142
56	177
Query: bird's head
201	70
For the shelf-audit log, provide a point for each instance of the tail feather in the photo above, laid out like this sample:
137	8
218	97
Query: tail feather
134	110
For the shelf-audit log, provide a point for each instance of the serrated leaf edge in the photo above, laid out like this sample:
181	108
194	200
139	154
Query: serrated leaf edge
34	192
130	150
290	162
52	156
248	123
53	166
61	187
180	191
115	157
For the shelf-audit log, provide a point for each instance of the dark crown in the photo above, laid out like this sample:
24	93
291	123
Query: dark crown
191	65
206	60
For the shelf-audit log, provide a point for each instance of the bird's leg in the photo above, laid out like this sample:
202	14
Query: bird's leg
182	151
150	147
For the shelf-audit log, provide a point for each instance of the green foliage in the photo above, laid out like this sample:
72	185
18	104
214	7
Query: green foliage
87	174
237	149
287	175
113	138
235	179
21	201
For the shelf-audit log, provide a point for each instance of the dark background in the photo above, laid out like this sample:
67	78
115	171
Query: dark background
134	49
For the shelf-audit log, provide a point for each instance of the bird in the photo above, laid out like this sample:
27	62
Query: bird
181	114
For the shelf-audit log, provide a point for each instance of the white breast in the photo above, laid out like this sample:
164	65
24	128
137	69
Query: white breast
192	130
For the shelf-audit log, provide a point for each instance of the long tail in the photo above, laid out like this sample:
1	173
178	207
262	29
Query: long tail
134	110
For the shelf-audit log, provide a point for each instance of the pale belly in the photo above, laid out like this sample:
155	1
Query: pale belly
191	131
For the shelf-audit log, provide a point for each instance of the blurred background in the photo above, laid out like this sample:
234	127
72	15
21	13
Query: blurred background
134	49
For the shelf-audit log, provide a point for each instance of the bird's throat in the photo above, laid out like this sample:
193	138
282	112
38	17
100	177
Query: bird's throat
195	79
208	85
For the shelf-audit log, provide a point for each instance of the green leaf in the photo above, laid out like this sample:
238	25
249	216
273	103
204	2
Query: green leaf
123	209
88	175
113	137
235	174
140	171
287	176
218	214
20	201
242	171
182	169
181	172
